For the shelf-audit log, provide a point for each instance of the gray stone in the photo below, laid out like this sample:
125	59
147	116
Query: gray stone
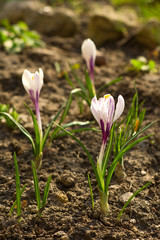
149	34
106	24
45	19
125	197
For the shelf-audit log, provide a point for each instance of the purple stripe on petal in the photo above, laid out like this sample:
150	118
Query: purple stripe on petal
105	133
91	70
32	97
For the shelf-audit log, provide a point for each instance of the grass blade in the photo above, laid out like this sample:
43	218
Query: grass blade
86	151
23	130
126	204
108	84
46	191
36	130
91	192
18	195
36	186
15	202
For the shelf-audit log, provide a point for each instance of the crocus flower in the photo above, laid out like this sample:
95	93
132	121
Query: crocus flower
106	114
88	49
33	84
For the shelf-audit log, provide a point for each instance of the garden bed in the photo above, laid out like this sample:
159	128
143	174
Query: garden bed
68	213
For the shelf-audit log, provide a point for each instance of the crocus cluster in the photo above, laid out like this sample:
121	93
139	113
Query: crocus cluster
105	113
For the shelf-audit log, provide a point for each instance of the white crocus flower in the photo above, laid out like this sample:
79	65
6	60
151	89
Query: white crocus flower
33	84
106	114
88	49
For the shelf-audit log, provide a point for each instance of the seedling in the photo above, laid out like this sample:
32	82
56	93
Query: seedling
19	191
33	84
106	114
40	204
14	38
88	90
125	130
6	108
142	64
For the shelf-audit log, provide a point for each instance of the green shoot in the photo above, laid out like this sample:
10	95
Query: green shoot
142	64
40	204
135	194
14	38
6	108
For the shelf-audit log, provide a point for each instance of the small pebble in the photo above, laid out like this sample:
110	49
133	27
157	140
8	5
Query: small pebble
124	198
143	173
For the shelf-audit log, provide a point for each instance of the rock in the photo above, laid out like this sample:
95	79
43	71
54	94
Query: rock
124	198
54	21
149	34
107	24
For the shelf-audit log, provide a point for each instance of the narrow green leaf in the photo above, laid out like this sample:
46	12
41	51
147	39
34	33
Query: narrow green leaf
46	191
18	195
75	131
56	130
108	84
91	192
86	151
36	130
126	204
15	202
36	185
23	130
50	126
116	160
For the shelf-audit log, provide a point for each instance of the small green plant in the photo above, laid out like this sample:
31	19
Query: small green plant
33	84
19	191
106	114
14	38
87	89
142	64
6	108
40	204
125	130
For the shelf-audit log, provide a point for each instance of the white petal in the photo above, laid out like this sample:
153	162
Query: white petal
119	108
95	109
41	77
88	49
26	80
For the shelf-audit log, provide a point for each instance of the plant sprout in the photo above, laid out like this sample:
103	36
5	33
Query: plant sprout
142	64
33	84
88	49
19	191
11	110
88	90
106	114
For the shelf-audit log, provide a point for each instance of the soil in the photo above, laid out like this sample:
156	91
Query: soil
68	213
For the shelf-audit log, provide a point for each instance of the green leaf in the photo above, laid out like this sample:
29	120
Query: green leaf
15	202
38	149
91	192
86	151
46	191
23	130
36	185
108	84
18	194
74	91
135	194
119	156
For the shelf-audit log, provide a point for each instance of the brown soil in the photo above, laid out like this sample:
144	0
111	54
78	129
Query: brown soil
68	213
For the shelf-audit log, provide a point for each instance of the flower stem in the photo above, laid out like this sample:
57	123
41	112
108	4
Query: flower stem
104	202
